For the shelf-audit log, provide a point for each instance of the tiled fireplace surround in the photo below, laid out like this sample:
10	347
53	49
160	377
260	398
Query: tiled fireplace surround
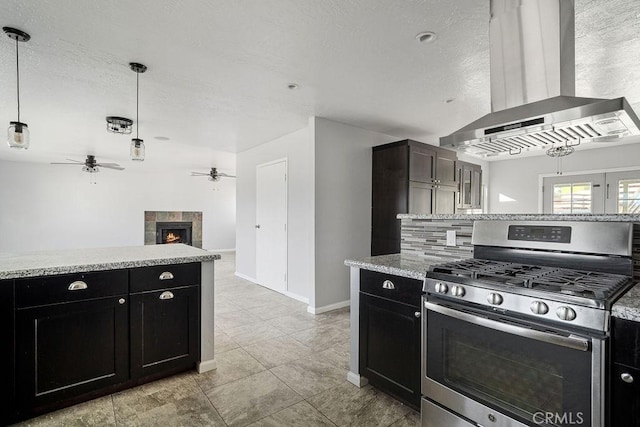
151	217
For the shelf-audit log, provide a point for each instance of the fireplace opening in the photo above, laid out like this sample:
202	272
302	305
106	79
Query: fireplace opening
173	232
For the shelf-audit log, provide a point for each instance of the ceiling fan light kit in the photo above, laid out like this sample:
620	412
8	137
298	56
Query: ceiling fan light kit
137	150
18	132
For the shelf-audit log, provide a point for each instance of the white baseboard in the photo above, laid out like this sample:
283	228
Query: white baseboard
222	250
206	366
330	307
242	276
285	293
297	297
356	379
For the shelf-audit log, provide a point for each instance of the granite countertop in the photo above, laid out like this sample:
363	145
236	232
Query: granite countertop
526	217
403	265
45	263
628	307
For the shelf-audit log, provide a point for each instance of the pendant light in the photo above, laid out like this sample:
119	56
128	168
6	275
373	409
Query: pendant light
18	132
137	144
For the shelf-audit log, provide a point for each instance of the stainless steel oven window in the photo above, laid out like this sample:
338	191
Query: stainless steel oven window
529	382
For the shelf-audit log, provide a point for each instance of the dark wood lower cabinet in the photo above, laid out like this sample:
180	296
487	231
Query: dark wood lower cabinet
625	374
65	350
165	330
75	337
390	347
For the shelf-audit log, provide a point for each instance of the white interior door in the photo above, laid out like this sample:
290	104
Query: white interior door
623	192
574	194
271	225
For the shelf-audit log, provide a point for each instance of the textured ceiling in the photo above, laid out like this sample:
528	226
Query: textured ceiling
218	70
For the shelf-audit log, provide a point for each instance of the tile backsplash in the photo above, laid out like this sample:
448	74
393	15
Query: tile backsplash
429	237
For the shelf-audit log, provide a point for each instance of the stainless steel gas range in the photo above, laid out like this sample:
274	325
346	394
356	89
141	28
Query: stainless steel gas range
518	335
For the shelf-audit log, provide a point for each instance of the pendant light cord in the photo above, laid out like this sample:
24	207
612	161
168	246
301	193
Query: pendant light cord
137	104
18	76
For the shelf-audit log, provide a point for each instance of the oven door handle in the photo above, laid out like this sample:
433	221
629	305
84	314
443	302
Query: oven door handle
571	341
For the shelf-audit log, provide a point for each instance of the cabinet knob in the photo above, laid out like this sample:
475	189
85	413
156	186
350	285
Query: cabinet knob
166	295
627	378
121	301
417	314
77	285
388	284
167	275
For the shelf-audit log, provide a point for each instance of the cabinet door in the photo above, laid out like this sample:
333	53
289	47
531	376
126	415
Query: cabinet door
422	164
420	198
445	172
66	350
390	347
625	396
6	351
445	200
165	331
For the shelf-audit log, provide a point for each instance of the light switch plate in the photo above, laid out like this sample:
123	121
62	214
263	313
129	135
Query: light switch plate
451	237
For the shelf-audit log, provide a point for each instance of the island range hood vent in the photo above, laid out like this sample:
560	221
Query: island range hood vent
532	46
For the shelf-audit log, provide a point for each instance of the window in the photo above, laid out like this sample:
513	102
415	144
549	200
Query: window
629	196
572	198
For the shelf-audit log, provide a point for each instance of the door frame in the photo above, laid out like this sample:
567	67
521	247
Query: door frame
286	200
584	172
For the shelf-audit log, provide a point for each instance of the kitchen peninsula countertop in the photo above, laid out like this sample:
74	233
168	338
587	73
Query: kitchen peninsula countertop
526	217
402	265
45	263
628	307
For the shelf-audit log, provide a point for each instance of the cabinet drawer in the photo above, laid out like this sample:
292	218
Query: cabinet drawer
626	342
70	287
395	288
164	276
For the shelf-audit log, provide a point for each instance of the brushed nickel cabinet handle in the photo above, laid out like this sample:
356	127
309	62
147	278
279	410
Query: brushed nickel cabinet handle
388	284
166	295
122	301
417	314
167	275
77	286
627	378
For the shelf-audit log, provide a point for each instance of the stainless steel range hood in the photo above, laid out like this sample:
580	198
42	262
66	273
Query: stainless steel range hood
533	85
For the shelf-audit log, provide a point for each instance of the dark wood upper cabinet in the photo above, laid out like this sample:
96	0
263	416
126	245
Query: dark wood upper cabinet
408	177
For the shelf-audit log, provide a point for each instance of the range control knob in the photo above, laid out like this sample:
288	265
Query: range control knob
538	307
457	291
566	313
441	288
494	298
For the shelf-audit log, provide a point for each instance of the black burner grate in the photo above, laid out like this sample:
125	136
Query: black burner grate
587	284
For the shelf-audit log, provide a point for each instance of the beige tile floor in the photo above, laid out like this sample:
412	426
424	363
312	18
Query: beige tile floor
277	366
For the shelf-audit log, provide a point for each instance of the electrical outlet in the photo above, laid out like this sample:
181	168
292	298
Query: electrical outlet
451	237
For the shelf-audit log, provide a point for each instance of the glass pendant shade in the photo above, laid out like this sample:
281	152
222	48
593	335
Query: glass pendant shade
137	149
18	135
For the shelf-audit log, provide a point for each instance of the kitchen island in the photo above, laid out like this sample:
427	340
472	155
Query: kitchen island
87	322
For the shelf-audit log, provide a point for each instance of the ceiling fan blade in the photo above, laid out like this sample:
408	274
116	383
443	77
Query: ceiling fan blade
226	175
110	166
75	161
63	163
199	174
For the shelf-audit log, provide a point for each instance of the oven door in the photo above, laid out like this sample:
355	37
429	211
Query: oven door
498	371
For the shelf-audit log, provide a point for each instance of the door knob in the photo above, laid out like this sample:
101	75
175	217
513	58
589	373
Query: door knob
257	225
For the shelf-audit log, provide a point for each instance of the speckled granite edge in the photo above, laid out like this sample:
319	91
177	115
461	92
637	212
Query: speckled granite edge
525	217
628	307
397	264
50	263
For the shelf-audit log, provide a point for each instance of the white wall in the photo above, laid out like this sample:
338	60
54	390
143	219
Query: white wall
45	207
518	179
297	148
343	205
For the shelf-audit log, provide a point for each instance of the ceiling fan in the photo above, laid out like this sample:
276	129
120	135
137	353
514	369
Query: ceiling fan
213	175
90	164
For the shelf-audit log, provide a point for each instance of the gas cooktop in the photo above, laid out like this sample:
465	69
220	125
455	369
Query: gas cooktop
587	284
